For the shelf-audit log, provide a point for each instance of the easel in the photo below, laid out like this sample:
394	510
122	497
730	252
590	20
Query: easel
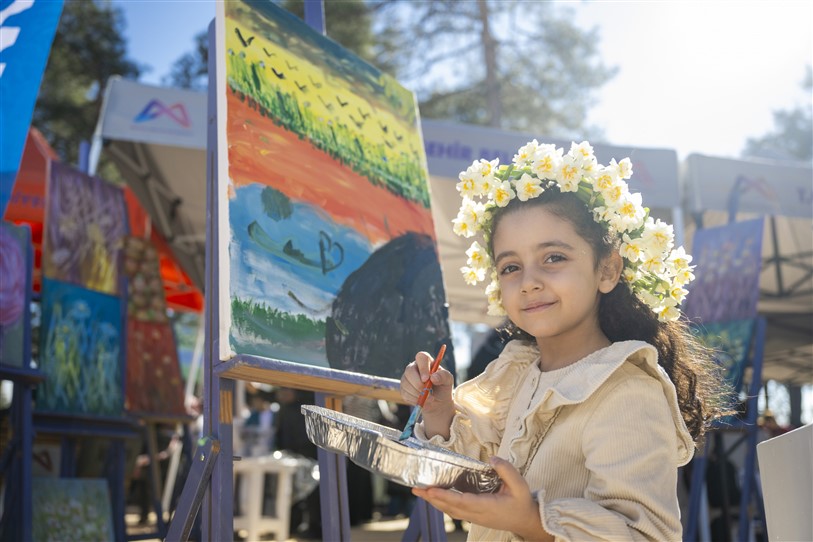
750	491
157	490
212	465
16	458
71	428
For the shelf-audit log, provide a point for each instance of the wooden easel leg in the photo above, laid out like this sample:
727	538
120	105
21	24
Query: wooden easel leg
333	486
425	523
151	435
203	463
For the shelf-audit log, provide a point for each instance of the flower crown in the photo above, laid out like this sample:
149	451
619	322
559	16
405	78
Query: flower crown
655	272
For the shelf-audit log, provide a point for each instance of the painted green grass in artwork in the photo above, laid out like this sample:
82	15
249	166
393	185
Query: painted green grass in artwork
260	320
402	175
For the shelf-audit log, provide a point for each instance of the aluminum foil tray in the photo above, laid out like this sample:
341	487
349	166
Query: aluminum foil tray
411	462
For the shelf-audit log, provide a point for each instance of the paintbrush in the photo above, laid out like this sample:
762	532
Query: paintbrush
410	425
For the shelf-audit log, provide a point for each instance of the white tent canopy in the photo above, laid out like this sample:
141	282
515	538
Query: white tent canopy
783	193
157	138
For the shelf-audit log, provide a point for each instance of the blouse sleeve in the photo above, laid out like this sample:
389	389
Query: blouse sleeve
630	448
482	405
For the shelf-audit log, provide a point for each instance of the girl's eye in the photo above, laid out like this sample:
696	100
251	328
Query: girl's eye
510	268
554	258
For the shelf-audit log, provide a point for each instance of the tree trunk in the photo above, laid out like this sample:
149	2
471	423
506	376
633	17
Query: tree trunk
493	101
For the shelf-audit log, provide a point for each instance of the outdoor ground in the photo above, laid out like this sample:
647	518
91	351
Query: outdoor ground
381	530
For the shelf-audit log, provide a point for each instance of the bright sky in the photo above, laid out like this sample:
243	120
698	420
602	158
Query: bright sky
695	76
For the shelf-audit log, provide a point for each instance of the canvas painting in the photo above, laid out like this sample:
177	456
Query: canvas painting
80	351
145	288
729	261
331	249
731	343
154	386
85	225
15	288
71	508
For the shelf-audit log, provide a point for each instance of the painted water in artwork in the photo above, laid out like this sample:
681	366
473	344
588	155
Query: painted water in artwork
80	351
15	284
728	262
71	509
332	249
85	225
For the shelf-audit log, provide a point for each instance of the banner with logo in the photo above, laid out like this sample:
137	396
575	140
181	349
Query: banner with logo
159	115
749	186
26	32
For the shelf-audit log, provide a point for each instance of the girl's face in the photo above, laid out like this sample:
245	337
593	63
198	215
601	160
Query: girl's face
548	276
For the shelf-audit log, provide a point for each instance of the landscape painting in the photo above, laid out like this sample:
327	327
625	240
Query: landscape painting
331	249
80	351
84	226
731	344
728	262
15	288
71	508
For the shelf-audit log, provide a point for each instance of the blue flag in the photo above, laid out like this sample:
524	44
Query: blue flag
27	30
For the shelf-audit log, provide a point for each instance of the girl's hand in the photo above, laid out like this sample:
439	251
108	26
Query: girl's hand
439	409
511	509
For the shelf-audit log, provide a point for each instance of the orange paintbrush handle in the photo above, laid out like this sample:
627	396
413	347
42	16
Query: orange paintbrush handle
432	370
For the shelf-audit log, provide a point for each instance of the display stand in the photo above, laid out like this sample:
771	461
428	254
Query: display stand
16	458
210	483
750	506
156	489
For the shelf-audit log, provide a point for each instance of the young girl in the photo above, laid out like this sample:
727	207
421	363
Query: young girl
588	413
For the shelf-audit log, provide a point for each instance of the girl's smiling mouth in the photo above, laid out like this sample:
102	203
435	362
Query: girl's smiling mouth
537	306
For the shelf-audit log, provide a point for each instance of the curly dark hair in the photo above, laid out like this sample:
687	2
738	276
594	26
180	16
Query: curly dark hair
702	394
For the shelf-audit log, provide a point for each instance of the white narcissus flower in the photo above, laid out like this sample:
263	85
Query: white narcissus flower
467	222
652	262
478	256
528	187
630	248
467	184
625	168
680	259
502	193
568	174
630	212
668	311
683	276
678	292
547	161
525	154
658	235
473	276
494	296
583	152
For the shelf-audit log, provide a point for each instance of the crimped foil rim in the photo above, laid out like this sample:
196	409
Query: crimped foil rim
411	462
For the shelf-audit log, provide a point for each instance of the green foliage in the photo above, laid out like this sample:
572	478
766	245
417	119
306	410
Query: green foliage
517	65
792	137
261	321
88	49
191	71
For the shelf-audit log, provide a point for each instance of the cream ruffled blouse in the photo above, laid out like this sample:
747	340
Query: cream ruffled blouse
598	441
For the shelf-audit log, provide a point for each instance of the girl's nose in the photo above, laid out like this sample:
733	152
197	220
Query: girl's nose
530	283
